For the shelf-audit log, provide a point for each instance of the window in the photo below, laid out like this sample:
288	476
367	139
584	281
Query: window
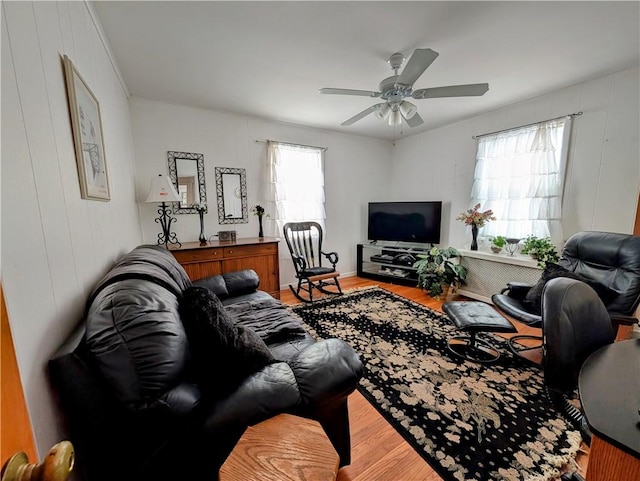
519	175
295	185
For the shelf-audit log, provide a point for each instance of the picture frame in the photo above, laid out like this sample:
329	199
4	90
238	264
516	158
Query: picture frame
88	138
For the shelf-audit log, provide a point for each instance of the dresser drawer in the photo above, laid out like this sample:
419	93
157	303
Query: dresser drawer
198	255
253	250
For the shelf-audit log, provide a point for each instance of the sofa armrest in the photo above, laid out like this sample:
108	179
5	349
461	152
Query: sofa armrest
325	371
179	401
241	282
215	284
231	284
263	394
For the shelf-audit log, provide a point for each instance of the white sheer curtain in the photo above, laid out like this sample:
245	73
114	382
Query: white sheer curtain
295	186
519	175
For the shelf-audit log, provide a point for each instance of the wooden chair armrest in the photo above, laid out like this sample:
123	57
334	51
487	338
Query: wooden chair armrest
299	263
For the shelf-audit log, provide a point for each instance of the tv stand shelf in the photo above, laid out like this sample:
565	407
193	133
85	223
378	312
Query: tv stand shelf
389	264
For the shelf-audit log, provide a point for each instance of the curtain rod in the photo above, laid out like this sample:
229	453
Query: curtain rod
527	125
293	145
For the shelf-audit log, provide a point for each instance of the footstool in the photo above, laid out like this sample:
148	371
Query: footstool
473	317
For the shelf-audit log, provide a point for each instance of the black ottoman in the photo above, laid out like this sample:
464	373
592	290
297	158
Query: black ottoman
474	317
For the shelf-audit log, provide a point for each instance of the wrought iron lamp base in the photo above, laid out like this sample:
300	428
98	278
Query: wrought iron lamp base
165	219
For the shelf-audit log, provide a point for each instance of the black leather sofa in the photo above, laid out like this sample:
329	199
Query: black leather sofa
132	409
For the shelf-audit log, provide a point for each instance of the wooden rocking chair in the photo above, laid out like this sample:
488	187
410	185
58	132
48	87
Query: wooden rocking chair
304	240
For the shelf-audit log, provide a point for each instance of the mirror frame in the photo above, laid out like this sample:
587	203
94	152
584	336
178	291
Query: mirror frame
243	195
173	174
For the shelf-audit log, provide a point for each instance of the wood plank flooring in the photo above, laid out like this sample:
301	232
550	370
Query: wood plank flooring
379	453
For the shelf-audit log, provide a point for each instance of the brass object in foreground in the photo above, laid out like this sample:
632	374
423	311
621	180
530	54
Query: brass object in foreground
56	466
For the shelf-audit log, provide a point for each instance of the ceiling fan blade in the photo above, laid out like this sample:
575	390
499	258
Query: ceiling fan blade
469	90
417	64
414	121
362	114
361	93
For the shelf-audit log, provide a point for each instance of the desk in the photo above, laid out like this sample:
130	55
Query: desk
609	385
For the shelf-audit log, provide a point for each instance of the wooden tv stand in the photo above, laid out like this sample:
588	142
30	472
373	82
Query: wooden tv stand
219	257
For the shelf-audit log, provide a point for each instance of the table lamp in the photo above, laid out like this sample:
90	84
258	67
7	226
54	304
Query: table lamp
162	190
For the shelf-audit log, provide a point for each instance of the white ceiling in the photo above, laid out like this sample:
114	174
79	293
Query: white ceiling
268	59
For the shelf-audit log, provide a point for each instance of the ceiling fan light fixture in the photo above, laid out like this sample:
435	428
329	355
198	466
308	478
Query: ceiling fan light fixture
408	109
383	112
395	118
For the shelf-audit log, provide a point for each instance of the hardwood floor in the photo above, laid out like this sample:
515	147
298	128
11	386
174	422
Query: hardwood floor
379	453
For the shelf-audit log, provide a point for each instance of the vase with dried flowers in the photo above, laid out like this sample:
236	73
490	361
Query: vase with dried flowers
259	211
201	208
476	219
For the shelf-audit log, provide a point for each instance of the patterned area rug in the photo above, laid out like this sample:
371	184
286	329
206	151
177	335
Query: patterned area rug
470	422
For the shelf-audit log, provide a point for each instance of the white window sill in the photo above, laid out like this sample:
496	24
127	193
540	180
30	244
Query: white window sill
503	257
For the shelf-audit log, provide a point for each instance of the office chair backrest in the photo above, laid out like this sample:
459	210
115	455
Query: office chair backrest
575	323
610	259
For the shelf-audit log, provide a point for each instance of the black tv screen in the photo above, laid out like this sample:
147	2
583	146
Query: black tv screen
405	221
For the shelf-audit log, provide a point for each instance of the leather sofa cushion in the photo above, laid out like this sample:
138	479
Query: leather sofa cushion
268	317
223	353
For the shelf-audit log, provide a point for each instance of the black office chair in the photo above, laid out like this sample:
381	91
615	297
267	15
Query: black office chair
304	240
575	324
608	262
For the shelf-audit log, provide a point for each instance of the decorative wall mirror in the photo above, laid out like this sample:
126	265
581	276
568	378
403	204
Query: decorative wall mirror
231	189
187	174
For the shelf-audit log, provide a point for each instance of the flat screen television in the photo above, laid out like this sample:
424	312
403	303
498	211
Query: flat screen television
405	221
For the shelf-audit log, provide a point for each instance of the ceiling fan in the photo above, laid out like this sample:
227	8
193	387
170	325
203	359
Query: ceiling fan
394	89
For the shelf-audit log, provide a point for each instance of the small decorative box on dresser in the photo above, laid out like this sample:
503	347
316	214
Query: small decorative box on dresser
218	257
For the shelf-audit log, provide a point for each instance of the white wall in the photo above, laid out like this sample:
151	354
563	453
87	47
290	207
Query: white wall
603	171
356	169
55	245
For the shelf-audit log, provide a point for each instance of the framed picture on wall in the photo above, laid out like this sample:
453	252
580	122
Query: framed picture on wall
87	136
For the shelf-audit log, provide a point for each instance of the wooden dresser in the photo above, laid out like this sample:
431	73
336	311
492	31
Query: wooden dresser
218	257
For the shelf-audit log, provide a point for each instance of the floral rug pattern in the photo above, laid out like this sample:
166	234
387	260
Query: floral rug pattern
469	421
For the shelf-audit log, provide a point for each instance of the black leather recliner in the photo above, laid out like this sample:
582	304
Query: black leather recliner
134	411
611	260
575	324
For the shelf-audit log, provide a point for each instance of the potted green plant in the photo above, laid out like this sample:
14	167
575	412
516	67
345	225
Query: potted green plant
540	249
436	271
497	243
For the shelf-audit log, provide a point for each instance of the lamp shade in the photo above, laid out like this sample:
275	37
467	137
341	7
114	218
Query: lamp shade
395	118
162	189
408	109
383	112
